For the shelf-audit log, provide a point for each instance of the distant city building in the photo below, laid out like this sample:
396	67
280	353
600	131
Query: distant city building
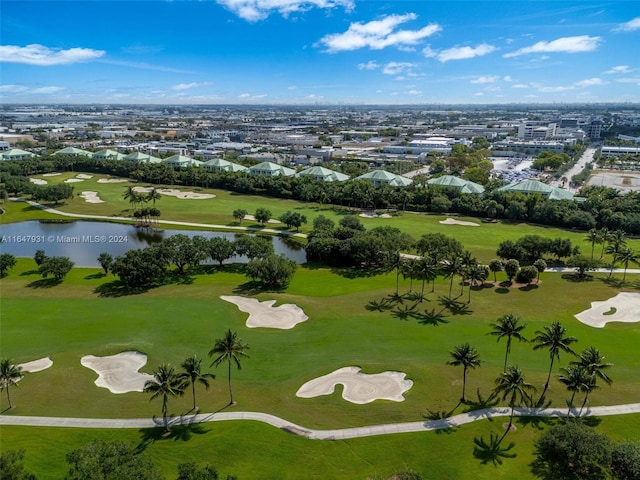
611	151
530	147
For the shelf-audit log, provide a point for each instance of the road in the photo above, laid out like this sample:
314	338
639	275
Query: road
587	157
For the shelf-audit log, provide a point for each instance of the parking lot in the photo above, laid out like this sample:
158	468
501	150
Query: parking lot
623	181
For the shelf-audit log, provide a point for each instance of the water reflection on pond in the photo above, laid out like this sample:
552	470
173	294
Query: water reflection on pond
82	241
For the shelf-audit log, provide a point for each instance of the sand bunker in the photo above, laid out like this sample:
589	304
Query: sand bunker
374	215
176	193
453	221
359	387
91	197
36	365
624	307
253	219
265	315
73	180
84	176
38	181
112	180
119	373
51	174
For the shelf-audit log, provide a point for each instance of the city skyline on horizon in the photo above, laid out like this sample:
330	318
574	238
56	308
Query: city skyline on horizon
319	52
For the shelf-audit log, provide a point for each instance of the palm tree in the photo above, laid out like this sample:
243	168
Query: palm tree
593	361
229	348
575	378
452	267
166	383
10	373
131	195
425	270
468	357
192	374
511	384
592	237
604	236
555	340
508	326
626	256
153	195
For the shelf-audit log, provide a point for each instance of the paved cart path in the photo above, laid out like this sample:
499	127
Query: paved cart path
338	434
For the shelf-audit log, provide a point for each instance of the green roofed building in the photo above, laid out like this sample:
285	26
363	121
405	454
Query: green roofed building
382	177
73	152
465	186
107	154
271	169
16	154
141	157
220	165
182	161
323	174
534	186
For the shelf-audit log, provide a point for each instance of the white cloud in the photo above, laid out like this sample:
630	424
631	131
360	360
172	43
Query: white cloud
292	87
255	10
414	93
378	34
13	88
244	95
590	82
36	54
459	53
47	90
507	78
370	65
187	86
618	69
486	79
394	68
580	43
479	94
520	85
629	26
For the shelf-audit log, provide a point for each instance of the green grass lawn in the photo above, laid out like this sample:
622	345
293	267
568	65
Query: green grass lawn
482	241
168	323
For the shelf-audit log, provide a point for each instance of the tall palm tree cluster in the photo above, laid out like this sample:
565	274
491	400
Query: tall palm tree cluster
146	217
167	382
580	376
615	244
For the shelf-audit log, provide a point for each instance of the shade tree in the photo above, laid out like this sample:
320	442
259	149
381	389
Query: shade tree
7	262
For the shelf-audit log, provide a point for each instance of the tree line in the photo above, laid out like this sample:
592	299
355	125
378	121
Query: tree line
603	207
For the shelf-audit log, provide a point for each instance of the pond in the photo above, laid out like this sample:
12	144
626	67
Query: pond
83	241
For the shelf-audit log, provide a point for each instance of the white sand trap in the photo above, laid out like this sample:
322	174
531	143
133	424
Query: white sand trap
253	219
51	174
453	221
38	181
119	373
626	305
91	197
84	176
359	387
112	180
36	365
73	180
265	315
176	193
374	215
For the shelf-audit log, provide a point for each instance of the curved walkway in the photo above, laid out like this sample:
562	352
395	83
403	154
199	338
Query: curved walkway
167	222
339	434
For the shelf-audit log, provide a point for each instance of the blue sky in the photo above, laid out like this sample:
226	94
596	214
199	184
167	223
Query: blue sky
319	51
